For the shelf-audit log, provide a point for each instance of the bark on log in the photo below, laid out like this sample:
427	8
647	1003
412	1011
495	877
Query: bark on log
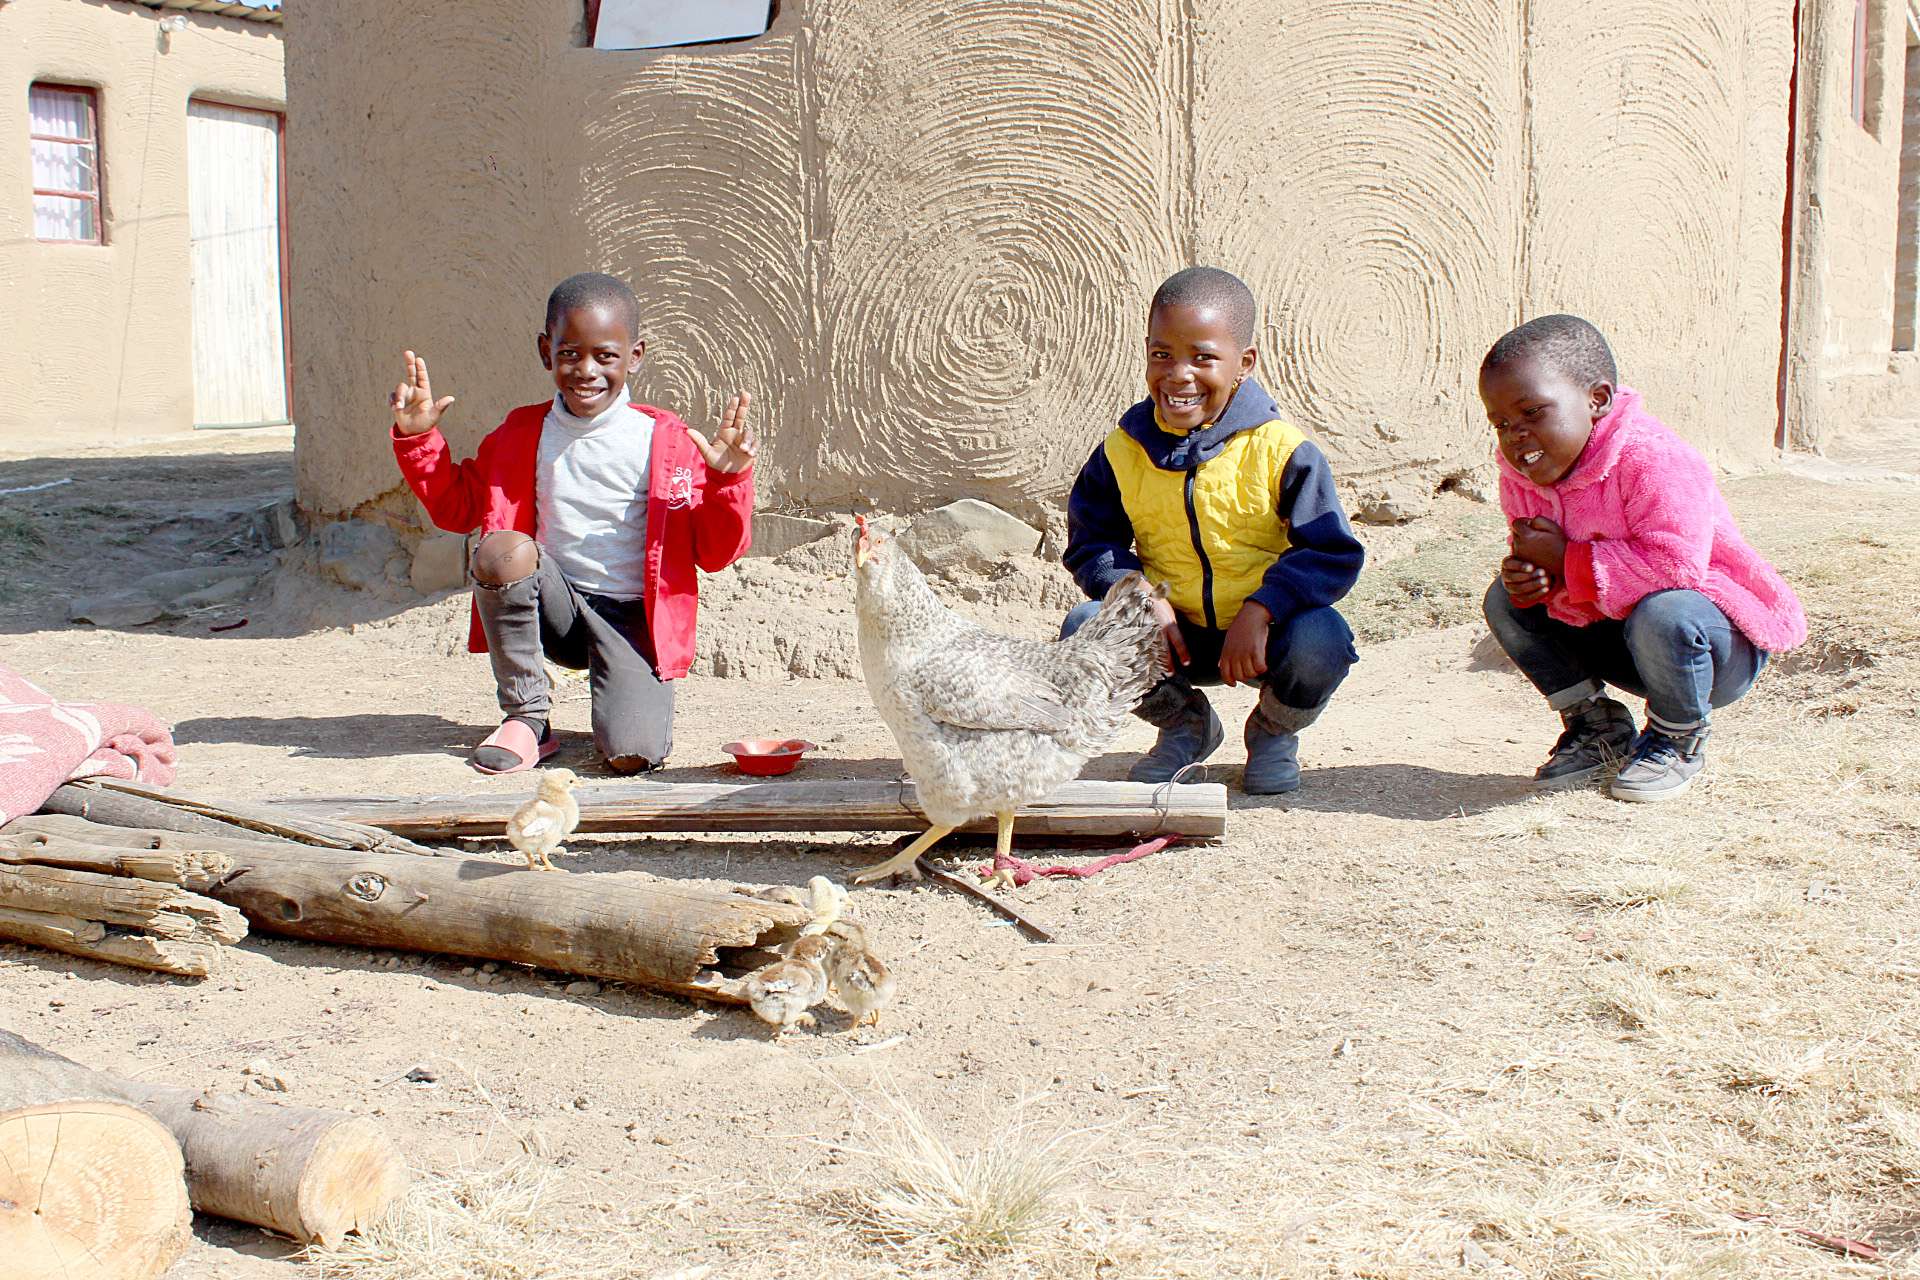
163	910
189	958
1197	811
623	926
118	803
91	1187
310	1174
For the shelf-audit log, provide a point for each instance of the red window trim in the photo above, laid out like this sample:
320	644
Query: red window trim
92	97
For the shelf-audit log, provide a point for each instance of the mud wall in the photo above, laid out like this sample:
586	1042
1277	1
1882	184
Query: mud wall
924	235
99	348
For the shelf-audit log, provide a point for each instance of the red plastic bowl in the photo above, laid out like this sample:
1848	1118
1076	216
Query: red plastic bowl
766	757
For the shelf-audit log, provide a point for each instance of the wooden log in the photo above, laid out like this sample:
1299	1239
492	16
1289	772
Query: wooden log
1196	811
164	865
189	958
118	803
91	1187
164	910
206	855
624	926
310	1174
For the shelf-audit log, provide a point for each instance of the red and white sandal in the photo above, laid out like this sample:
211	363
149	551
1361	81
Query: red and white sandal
514	749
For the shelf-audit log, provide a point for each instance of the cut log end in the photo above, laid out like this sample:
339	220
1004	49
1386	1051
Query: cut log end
355	1174
90	1190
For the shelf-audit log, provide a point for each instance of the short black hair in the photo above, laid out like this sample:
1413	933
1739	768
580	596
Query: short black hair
594	289
1567	343
1213	289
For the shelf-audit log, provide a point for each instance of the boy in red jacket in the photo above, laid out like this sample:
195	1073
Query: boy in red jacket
593	514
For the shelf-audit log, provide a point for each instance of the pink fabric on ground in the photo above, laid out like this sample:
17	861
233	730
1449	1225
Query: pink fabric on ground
45	742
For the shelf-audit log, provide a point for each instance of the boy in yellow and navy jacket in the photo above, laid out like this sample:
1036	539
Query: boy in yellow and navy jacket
1204	488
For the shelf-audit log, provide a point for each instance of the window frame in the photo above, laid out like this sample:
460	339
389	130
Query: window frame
96	197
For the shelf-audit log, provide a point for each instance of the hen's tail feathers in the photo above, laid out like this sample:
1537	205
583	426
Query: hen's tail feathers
1126	631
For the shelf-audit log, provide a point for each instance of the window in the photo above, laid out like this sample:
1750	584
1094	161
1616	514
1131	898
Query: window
64	127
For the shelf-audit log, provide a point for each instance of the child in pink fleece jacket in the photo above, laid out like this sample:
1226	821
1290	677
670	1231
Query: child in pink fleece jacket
1626	568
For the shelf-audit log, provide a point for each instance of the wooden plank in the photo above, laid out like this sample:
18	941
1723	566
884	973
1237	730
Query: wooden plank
166	910
1138	809
118	803
189	958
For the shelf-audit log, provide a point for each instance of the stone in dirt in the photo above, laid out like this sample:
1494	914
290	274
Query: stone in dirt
1396	504
775	534
439	563
278	522
171	594
967	534
361	555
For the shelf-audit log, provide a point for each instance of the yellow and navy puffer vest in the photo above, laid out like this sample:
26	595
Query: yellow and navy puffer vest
1242	508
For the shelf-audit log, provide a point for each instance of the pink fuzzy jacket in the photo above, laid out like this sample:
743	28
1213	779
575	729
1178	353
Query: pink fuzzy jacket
1642	514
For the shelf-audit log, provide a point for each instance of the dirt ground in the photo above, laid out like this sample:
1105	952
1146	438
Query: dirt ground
1409	1022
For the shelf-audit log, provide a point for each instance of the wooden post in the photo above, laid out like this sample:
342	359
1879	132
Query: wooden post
1133	809
91	1187
118	803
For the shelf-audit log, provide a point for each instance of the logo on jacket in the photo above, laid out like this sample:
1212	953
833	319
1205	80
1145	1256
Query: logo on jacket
680	488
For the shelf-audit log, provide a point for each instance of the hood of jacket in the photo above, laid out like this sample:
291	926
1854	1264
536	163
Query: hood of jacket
1250	407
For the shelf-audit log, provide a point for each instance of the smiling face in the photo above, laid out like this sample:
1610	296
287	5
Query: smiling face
591	354
1194	362
1541	416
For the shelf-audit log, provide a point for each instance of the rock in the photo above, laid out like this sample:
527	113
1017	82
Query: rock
170	594
439	563
775	534
1487	655
357	554
261	1075
967	534
1396	504
583	988
423	1074
277	523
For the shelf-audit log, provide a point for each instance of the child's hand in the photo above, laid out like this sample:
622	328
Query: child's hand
733	445
1541	541
1170	627
414	408
1243	657
1527	583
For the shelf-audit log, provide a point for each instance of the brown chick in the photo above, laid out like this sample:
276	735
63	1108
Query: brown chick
863	983
539	826
783	992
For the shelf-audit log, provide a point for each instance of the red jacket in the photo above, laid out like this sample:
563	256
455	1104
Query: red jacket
694	516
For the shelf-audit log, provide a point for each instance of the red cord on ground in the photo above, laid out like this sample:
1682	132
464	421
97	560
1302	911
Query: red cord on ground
1025	872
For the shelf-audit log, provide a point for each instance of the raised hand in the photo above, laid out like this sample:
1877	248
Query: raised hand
1541	541
414	408
733	445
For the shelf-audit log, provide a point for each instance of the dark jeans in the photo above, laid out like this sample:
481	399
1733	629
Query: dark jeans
1308	655
545	614
1676	650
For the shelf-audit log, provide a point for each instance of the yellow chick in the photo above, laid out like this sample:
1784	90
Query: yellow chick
863	983
783	991
538	826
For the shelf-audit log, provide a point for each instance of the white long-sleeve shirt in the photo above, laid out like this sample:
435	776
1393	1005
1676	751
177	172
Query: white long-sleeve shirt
590	488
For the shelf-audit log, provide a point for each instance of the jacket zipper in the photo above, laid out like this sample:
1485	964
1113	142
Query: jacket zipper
1206	565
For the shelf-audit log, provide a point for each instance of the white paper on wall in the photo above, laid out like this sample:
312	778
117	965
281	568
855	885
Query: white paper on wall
656	24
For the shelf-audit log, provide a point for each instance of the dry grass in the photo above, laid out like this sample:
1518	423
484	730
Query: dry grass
923	1194
494	1224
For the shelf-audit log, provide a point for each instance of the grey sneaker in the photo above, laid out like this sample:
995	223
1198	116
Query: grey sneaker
1598	736
1189	731
1662	767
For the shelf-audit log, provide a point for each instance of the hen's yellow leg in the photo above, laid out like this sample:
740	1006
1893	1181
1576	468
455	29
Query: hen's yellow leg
1003	872
902	862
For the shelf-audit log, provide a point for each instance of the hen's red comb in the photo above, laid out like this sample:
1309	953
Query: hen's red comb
860	522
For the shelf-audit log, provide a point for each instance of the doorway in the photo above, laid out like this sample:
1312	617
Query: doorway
235	199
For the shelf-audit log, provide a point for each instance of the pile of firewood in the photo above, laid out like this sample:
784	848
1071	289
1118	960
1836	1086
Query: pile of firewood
127	906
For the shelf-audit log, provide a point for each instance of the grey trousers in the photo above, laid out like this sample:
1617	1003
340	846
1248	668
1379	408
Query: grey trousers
545	614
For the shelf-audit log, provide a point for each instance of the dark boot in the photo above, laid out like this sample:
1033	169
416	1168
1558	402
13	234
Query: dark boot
1599	734
1273	745
1189	730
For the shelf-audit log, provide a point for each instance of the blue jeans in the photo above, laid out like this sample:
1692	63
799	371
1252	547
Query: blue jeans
1676	650
1308	655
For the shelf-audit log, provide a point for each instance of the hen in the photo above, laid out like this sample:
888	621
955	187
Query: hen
986	722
